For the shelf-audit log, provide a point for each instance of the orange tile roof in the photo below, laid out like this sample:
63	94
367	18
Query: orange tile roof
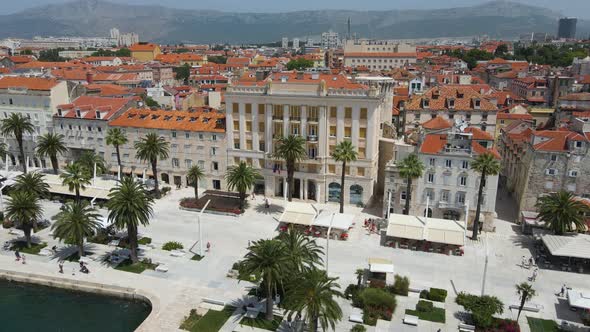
174	58
99	58
58	65
143	47
433	143
513	116
479	134
19	59
71	74
557	139
463	95
31	83
116	77
199	119
242	62
436	123
581	96
90	104
339	81
381	54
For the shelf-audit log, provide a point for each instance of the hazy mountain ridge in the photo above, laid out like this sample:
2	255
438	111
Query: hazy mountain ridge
94	18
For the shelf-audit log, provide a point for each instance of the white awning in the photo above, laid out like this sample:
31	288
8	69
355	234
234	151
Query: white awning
426	229
380	265
298	213
572	245
578	299
340	221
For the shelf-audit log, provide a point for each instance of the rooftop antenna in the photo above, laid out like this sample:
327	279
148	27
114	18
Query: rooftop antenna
348	35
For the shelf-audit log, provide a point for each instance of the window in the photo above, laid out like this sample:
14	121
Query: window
333	111
187	135
215	166
200	136
362	132
578	144
403	195
551	171
360	171
213	151
89	128
261	127
125	155
236	125
175	162
173	134
468	117
432	162
464	164
332	131
216	184
260	109
462	181
188	163
236	107
429	194
430	178
248	126
348	112
501	121
332	169
347	132
444	196
97	128
461	197
363	114
484	117
361	153
573	174
448	163
248	108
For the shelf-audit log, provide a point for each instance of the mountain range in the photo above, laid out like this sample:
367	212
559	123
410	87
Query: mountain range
498	19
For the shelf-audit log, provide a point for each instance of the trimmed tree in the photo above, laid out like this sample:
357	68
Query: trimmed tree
17	125
50	146
344	153
291	149
562	212
151	148
485	164
24	208
33	183
410	168
76	178
241	178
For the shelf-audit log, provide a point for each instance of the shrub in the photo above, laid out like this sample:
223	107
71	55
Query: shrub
236	266
377	303
165	190
358	328
172	245
401	286
369	318
437	294
424	294
482	308
145	240
424	306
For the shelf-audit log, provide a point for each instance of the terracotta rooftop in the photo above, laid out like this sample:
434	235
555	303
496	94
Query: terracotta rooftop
143	47
89	105
556	140
464	98
339	81
199	119
381	55
435	144
31	83
436	123
107	90
582	96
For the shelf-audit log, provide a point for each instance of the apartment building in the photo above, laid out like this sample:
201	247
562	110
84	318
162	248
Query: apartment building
145	51
534	90
84	125
325	110
451	102
37	99
449	186
378	54
196	137
538	162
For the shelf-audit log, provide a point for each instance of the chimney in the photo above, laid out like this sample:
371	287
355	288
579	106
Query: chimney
299	75
89	77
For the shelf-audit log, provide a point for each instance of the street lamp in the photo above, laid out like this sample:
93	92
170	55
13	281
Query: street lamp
200	232
328	242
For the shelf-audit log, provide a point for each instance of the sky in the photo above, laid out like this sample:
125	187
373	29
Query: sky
578	8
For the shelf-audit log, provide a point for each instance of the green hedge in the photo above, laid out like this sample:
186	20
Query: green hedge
434	294
424	306
376	304
358	328
401	286
172	245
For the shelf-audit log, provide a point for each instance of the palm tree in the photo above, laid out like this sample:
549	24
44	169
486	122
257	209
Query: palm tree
75	222
411	167
24	208
345	153
301	251
33	183
17	125
241	178
3	151
562	212
76	178
50	145
88	159
360	273
292	150
526	292
130	205
485	164
313	293
116	138
151	148
194	174
267	258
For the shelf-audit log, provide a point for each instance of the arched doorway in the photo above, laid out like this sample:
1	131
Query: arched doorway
165	178
451	215
334	192
356	194
429	215
311	191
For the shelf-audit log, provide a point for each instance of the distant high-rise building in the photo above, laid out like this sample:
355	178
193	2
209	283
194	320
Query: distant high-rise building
330	39
295	43
115	33
128	39
567	28
285	42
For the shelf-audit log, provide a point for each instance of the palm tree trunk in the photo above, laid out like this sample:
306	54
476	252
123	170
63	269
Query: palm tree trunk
196	184
522	301
478	209
118	155
269	300
81	248
408	196
242	200
316	322
27	231
155	171
132	239
54	164
342	187
22	153
77	194
290	179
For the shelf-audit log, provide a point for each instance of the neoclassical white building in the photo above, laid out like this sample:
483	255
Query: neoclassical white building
325	109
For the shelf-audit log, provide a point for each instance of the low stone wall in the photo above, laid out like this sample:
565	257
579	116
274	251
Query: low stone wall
91	287
209	211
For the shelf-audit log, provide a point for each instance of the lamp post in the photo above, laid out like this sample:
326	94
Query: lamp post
328	242
200	232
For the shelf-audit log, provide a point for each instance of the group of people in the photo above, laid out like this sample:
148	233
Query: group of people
527	264
371	225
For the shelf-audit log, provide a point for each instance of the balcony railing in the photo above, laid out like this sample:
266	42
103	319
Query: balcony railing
449	205
295	118
312	138
277	117
312	119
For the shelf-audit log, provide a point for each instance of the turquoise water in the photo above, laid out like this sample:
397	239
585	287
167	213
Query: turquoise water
28	307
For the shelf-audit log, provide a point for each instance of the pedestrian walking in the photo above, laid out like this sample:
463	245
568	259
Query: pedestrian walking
17	255
535	272
248	243
61	266
531	261
208	246
523	262
22	256
562	290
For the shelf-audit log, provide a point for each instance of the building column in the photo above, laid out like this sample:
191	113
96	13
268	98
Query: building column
339	124
371	134
268	128
356	115
286	120
304	121
242	125
322	132
255	137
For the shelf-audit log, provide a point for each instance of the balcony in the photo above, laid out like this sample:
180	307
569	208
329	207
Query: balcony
449	205
312	119
312	138
277	118
295	118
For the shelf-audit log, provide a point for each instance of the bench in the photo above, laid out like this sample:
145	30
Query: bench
411	320
162	268
530	307
213	301
466	328
356	316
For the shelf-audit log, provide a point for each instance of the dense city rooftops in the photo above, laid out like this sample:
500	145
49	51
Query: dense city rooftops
198	119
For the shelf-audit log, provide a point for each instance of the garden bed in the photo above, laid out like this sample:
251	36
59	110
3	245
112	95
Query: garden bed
22	247
261	323
542	325
212	321
219	204
197	257
427	311
75	257
128	266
